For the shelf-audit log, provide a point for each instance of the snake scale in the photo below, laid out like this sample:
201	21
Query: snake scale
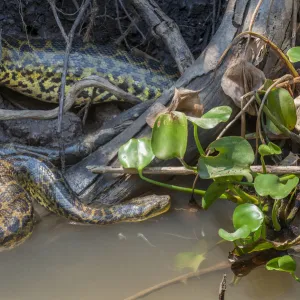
34	69
24	178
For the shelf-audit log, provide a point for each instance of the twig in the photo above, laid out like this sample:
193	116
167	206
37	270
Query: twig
126	32
69	40
166	29
94	12
280	170
222	288
236	117
59	24
132	20
271	136
182	278
119	24
75	4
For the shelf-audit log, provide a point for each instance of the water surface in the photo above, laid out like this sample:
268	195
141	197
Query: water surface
71	262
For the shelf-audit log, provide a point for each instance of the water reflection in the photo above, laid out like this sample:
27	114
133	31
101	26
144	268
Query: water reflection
62	261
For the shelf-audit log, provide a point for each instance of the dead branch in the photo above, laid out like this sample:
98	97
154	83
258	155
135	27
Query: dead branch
69	40
222	288
279	170
181	278
165	28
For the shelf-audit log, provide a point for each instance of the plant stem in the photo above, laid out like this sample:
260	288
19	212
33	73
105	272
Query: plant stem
275	208
197	141
245	196
263	164
176	188
187	166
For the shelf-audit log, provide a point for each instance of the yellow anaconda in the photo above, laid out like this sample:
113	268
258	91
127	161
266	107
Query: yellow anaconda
27	177
34	69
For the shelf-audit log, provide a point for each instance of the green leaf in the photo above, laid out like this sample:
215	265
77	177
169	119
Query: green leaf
214	191
213	117
234	158
248	215
294	54
269	149
270	185
169	135
189	260
240	233
282	106
284	264
136	153
261	247
247	218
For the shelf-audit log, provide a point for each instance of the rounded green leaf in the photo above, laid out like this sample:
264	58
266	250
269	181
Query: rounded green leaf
214	191
213	117
169	135
294	54
136	153
247	218
234	159
269	149
282	106
240	233
284	264
270	185
248	215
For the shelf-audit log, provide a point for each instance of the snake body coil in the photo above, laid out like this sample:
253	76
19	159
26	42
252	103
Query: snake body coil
24	178
34	68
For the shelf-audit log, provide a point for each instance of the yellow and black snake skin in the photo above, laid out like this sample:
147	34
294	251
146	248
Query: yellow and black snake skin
34	67
24	178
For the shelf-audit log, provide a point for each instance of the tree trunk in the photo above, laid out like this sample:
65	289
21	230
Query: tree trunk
273	21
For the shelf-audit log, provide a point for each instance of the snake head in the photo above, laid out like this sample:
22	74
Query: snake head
143	208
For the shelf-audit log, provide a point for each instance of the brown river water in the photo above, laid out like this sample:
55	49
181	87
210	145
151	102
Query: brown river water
62	261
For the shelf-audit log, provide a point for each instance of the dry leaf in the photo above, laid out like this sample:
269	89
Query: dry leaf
184	100
241	78
187	101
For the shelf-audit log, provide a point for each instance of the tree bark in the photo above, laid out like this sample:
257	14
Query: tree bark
274	22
